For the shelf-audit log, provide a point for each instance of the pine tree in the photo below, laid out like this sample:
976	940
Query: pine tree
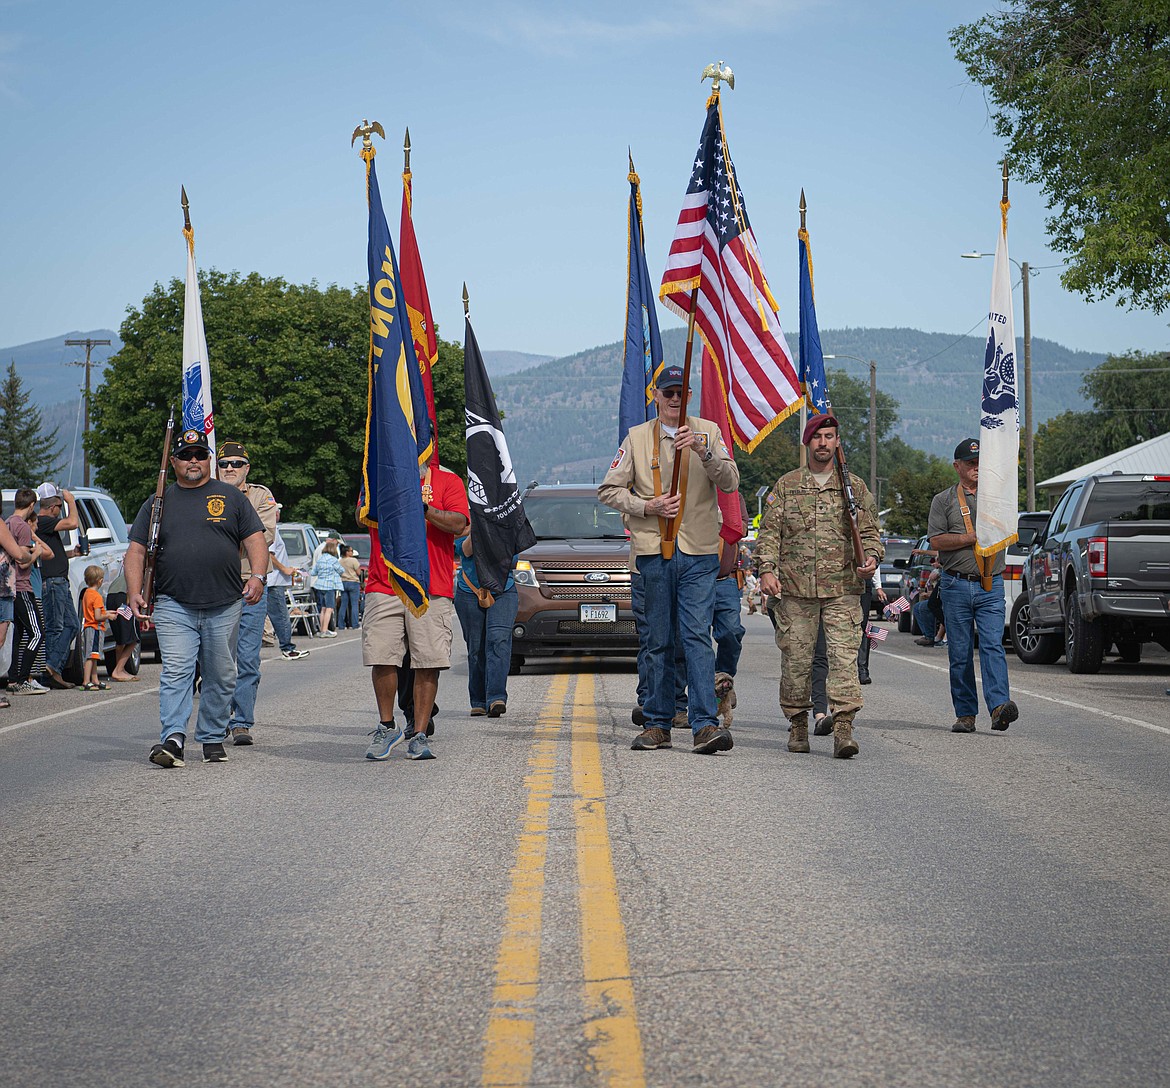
27	456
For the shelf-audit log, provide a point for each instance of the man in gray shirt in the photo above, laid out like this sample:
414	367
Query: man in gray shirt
969	607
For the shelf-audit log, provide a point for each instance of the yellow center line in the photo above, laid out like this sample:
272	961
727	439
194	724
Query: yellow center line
611	1027
511	1030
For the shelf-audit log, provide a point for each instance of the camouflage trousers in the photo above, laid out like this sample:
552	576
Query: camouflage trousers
798	620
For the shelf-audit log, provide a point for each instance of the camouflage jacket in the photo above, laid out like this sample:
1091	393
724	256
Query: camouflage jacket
805	539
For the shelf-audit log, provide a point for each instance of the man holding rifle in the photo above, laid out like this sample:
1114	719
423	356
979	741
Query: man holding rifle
816	554
200	593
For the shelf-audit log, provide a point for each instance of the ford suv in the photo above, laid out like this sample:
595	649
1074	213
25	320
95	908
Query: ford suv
574	583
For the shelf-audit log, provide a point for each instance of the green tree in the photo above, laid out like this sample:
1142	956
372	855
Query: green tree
850	398
1078	89
1130	395
777	454
911	490
289	380
27	456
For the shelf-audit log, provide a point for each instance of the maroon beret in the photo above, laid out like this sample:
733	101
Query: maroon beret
815	423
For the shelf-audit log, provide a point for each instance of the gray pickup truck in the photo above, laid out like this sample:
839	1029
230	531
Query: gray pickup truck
1098	574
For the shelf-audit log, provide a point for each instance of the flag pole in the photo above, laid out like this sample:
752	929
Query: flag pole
668	536
803	399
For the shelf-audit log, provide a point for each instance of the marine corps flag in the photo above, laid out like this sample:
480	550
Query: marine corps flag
197	410
398	430
998	515
499	526
418	302
643	344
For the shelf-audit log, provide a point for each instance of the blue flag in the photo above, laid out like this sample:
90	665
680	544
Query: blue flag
643	349
812	362
398	429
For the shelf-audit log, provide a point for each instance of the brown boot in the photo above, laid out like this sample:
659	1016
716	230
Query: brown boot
798	734
844	746
650	739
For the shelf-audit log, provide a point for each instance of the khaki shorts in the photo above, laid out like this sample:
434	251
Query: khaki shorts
388	630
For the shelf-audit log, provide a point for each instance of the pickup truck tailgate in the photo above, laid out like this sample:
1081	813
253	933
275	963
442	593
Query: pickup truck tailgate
1138	558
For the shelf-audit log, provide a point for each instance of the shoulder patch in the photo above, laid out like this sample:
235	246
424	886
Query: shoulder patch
618	458
771	499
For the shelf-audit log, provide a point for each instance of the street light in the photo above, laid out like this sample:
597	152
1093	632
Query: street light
872	417
1029	453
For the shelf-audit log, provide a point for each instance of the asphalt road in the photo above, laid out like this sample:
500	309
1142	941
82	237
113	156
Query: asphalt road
984	909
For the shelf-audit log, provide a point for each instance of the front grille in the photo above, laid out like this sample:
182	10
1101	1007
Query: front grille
580	593
576	627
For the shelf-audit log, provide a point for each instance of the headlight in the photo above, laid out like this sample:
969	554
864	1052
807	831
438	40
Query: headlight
524	575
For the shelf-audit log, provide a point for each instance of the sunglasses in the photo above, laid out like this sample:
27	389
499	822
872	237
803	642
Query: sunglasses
193	455
234	464
671	394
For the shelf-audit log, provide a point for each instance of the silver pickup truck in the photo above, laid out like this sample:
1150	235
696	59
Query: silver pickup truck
1098	574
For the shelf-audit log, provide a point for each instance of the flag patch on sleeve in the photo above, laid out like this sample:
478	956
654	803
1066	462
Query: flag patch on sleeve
617	459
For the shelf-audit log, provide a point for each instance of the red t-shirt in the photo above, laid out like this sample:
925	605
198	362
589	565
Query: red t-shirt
448	493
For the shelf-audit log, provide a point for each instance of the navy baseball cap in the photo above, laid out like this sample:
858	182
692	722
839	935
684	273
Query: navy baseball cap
967	450
670	378
191	438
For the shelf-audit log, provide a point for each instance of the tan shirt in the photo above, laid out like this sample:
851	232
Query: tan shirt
264	504
629	485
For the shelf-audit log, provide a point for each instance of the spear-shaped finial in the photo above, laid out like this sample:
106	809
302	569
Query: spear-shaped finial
186	208
406	151
1005	178
629	151
803	208
466	306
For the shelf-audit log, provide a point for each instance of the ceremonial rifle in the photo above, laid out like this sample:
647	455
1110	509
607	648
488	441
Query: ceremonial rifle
156	513
851	503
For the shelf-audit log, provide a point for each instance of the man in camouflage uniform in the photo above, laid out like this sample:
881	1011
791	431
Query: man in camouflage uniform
805	549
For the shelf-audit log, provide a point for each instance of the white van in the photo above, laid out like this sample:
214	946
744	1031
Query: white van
105	530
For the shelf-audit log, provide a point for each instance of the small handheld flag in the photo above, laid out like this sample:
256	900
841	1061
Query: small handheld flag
876	634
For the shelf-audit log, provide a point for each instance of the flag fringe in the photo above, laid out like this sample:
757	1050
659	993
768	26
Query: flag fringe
398	579
986	550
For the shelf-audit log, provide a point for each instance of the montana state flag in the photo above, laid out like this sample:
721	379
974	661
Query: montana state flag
398	430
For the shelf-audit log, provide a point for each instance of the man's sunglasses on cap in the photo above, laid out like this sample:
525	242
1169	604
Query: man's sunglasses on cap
233	464
195	453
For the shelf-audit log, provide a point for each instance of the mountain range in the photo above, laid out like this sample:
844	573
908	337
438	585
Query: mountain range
561	413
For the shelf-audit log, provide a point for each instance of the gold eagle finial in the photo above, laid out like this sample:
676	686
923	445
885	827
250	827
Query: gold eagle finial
716	72
364	130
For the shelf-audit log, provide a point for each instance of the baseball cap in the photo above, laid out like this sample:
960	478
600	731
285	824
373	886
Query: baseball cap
670	378
47	491
233	449
815	423
967	450
190	439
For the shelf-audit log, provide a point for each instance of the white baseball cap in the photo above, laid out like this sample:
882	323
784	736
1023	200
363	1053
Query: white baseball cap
47	491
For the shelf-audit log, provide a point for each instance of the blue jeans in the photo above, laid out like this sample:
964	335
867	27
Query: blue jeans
61	626
968	607
638	608
727	628
249	638
927	622
347	612
277	607
190	635
488	634
679	605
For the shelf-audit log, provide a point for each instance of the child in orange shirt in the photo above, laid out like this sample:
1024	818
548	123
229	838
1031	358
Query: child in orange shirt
93	609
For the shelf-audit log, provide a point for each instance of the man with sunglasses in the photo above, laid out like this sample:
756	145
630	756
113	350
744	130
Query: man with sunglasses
199	595
233	466
679	582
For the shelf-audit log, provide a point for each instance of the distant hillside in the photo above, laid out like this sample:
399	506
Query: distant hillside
561	416
499	363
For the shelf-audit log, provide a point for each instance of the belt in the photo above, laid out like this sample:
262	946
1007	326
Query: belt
966	577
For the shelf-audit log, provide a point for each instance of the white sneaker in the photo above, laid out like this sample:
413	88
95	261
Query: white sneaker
293	655
37	685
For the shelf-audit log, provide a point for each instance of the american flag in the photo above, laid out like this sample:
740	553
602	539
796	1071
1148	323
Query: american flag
714	253
899	606
876	634
123	610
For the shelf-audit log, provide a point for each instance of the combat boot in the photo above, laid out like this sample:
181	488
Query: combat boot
798	733
844	746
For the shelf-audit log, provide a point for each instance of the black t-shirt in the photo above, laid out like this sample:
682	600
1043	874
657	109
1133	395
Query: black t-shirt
202	531
57	564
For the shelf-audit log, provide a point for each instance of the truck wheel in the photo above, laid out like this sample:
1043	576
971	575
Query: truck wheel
1084	643
904	619
1130	651
1031	649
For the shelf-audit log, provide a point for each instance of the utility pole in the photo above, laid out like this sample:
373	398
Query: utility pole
89	345
873	429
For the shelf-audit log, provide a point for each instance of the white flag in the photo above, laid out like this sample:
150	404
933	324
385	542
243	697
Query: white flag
999	425
197	410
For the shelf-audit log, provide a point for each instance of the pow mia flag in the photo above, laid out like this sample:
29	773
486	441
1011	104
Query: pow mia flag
499	526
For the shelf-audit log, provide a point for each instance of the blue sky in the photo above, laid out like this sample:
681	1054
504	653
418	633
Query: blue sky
520	114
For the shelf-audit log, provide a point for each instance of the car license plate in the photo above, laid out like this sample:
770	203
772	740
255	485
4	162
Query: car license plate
598	613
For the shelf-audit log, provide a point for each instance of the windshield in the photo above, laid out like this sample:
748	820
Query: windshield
898	549
1128	500
559	517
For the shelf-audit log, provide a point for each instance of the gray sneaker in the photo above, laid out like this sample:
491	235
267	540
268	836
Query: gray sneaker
418	748
385	737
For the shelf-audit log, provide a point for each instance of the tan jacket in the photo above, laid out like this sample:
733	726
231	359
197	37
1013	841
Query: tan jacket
629	485
264	504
